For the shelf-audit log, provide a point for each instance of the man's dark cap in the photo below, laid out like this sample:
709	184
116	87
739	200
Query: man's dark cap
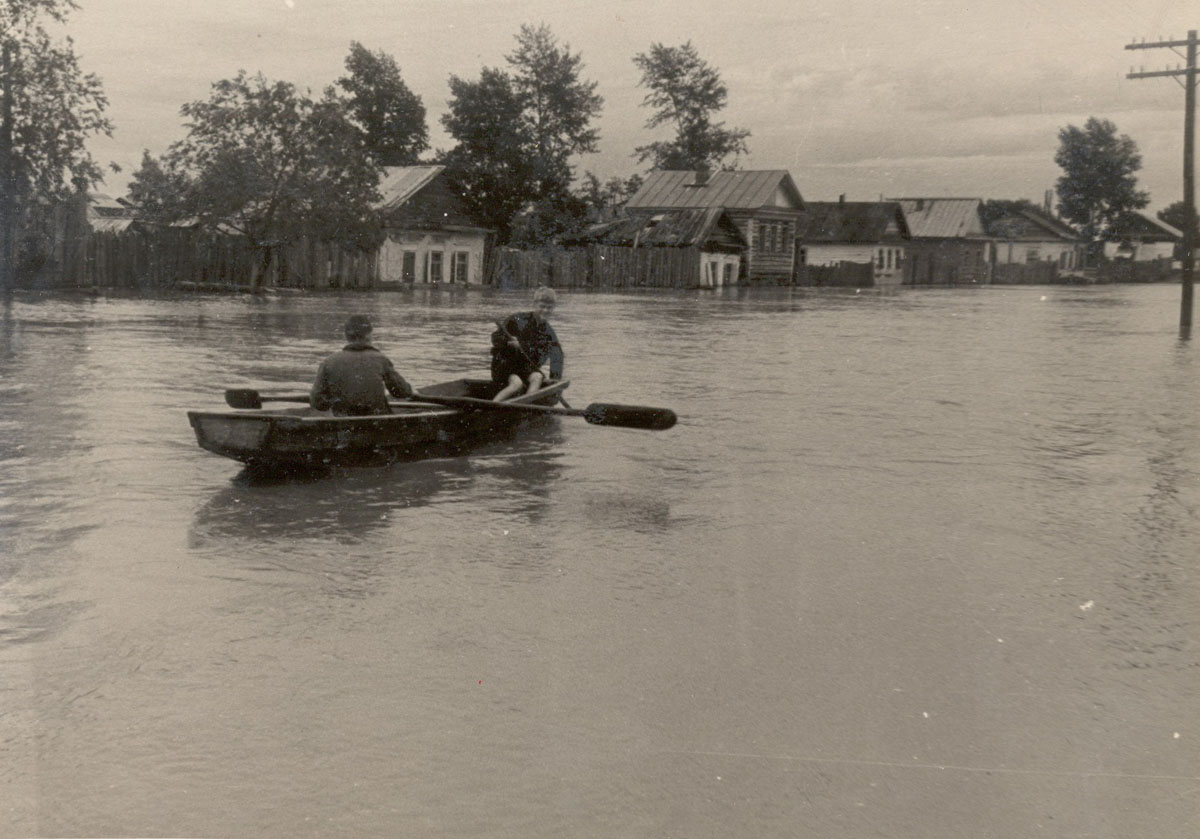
358	326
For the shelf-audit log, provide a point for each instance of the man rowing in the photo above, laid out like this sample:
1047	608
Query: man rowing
525	351
356	380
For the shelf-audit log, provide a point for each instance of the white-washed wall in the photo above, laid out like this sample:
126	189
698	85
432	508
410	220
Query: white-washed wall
422	244
1020	253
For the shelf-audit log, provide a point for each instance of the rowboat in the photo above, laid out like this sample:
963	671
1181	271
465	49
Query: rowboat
299	437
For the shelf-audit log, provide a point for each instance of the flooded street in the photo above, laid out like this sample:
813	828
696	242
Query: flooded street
918	565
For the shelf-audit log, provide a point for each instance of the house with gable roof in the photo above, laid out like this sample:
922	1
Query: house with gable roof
949	243
1025	236
861	232
1141	238
765	205
429	237
674	249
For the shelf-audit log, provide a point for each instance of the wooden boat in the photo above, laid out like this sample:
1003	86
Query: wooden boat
299	437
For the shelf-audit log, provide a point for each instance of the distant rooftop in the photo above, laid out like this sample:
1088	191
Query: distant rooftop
739	190
942	218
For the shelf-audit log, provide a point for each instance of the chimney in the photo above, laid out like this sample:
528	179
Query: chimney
701	177
842	198
1048	202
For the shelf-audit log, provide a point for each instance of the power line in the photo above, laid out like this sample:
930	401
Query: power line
1188	75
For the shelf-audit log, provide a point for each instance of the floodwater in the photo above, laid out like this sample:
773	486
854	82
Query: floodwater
914	565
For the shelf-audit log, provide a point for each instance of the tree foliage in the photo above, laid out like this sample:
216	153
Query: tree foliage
604	197
490	167
269	162
1176	216
1098	184
49	107
55	106
685	93
992	213
390	116
558	105
516	134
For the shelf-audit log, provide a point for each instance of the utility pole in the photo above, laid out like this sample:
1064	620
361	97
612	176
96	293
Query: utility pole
1189	162
8	201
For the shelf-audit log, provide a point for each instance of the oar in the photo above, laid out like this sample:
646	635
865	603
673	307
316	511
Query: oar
599	413
249	398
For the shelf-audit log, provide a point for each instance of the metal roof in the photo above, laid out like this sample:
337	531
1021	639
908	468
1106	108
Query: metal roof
400	183
942	218
673	228
742	190
108	224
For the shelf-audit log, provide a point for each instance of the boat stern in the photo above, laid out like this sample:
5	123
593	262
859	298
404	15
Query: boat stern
238	436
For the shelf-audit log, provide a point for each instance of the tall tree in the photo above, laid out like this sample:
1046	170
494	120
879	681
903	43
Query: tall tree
490	167
155	191
390	116
271	163
559	106
516	134
1098	184
685	93
48	109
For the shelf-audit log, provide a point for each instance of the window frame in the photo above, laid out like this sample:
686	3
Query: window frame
460	262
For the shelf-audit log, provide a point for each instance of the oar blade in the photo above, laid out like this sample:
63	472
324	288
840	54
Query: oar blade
242	397
630	416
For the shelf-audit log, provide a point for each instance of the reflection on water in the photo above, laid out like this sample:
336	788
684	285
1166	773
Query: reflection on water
348	503
919	559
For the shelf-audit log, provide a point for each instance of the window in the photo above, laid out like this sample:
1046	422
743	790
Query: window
435	266
803	256
758	235
458	267
879	259
408	270
891	255
1031	255
728	273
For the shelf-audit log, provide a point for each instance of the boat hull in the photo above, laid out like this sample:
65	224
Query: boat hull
302	438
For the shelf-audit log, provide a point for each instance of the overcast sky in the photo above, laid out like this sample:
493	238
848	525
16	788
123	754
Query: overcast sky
861	97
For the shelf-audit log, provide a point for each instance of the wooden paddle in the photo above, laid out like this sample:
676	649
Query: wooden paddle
250	399
599	413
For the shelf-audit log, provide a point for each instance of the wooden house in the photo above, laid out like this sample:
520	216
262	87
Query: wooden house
765	205
429	237
106	214
696	248
949	244
1027	236
1140	238
873	232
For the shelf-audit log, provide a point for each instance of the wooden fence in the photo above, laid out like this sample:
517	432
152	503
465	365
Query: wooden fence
842	275
595	266
165	257
1128	271
612	266
1030	273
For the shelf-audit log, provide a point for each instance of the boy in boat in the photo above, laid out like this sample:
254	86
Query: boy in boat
352	382
525	350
